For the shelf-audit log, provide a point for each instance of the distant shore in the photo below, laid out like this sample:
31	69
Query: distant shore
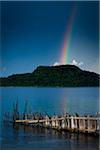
53	76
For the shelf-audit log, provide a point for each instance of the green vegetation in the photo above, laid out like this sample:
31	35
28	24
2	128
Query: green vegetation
51	76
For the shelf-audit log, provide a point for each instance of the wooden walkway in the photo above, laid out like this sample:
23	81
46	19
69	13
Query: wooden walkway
68	123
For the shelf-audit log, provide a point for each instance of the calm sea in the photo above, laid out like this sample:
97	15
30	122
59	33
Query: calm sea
51	100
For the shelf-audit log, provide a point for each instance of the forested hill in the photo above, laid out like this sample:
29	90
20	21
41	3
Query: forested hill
52	76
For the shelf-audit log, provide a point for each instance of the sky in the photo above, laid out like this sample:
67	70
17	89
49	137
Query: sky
32	34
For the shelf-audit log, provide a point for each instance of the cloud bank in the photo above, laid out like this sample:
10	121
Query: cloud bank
56	64
74	62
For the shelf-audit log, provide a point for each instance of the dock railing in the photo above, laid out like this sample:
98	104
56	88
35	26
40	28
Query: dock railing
73	123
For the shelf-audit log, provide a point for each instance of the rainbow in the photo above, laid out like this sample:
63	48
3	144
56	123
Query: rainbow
67	38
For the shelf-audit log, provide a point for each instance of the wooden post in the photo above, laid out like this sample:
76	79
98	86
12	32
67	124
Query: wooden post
53	122
88	123
94	126
47	121
25	116
72	123
77	115
63	123
80	124
56	122
75	122
98	125
60	124
68	121
83	125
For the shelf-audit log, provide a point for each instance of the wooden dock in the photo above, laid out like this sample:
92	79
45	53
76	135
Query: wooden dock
66	122
84	124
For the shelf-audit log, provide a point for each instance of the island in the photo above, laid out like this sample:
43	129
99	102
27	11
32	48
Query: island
53	76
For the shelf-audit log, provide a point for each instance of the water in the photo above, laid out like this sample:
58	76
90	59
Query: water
50	100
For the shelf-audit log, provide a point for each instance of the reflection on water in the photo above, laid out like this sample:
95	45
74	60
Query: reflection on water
50	100
29	138
58	100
